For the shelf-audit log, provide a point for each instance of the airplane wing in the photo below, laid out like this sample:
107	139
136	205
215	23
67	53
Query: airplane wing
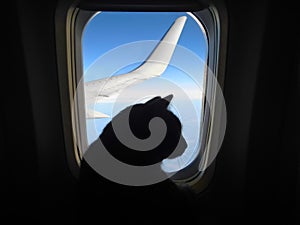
154	66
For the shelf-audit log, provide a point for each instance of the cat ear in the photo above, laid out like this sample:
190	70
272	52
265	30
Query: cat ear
168	99
156	102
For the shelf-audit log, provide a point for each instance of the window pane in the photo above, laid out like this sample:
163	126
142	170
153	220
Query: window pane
116	43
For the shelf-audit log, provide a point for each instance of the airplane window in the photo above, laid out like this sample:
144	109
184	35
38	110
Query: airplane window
131	57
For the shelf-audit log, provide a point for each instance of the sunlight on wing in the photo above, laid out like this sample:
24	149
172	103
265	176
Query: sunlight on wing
154	66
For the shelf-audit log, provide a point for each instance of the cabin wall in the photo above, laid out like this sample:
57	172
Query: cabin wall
257	167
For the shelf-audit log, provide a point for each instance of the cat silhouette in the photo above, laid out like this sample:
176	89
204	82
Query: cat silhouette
139	118
151	204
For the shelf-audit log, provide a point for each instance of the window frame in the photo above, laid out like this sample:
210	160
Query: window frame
70	22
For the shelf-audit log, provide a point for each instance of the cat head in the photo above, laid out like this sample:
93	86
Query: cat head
139	118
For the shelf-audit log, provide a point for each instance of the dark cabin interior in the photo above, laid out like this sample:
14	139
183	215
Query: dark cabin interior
257	174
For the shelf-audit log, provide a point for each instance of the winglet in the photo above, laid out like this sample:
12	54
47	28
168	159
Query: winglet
160	58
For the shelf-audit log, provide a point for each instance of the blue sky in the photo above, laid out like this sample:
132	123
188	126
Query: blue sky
107	31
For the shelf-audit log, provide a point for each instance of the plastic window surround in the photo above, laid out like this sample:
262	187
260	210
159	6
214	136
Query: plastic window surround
70	62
